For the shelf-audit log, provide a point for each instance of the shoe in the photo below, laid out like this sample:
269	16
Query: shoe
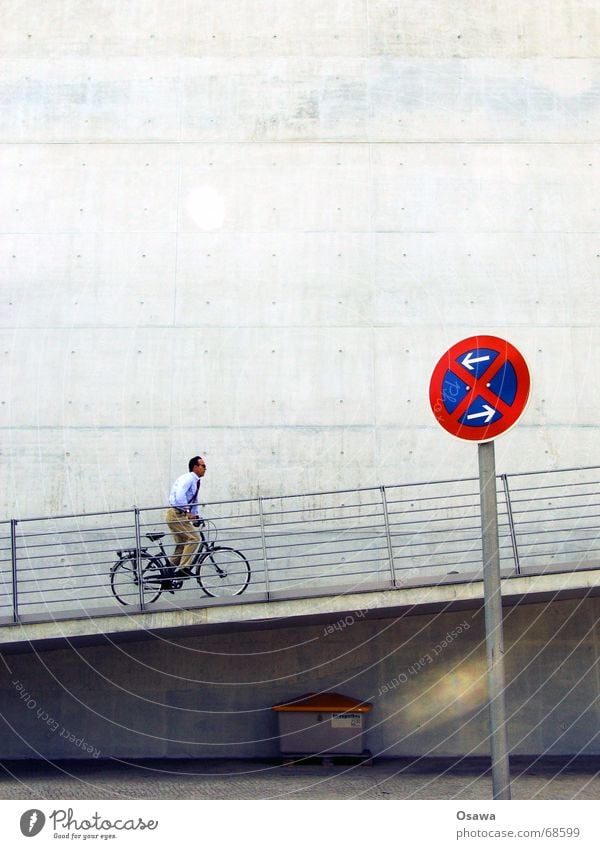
186	572
168	584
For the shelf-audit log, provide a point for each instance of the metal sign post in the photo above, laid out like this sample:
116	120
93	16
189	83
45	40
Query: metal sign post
494	639
478	390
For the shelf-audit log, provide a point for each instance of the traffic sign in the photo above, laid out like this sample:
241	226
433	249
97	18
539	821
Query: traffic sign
479	388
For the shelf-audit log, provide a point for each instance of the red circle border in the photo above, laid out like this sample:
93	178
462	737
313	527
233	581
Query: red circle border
485	433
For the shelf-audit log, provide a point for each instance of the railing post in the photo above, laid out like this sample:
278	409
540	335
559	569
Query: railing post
511	523
13	557
388	535
138	559
264	546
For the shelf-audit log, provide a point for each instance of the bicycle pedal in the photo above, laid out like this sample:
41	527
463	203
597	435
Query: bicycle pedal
170	586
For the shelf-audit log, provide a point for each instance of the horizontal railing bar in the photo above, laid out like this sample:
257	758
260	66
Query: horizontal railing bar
466	555
324	508
76	603
450	509
316	521
74	515
25	549
318	565
22	537
541	493
267	498
117	542
545	486
330	575
293	547
218	519
72	596
561	497
32	535
327	577
324	531
445	564
457	546
448	523
553	471
532	548
458	496
546	510
343	509
562	527
338	552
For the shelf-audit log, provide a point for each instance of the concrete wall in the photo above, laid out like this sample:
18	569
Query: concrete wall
250	229
211	696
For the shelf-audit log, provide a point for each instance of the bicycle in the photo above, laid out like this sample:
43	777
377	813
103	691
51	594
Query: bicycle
220	571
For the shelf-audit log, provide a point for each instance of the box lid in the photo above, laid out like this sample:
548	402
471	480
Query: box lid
334	702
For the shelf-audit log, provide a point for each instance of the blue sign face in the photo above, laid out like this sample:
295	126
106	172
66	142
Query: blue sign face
453	391
479	388
477	361
503	384
479	413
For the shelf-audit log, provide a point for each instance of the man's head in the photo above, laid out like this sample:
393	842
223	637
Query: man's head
198	466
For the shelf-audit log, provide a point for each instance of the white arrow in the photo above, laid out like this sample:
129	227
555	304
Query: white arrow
469	359
487	412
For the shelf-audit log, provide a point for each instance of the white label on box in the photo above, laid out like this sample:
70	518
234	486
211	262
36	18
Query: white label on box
346	720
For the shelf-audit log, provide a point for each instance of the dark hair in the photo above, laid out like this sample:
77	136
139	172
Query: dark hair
193	462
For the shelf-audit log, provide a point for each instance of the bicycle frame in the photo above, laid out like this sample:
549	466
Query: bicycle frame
203	546
219	570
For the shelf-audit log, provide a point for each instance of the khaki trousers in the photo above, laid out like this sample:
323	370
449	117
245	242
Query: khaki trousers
185	535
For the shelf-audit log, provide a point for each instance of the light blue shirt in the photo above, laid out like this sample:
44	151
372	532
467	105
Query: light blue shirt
183	493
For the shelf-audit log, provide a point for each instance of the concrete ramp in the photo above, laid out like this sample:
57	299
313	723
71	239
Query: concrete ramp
344	608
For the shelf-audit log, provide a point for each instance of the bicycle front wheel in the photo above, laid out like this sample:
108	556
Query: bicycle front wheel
223	572
125	584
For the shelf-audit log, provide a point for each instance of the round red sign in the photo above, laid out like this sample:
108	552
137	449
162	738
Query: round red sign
479	388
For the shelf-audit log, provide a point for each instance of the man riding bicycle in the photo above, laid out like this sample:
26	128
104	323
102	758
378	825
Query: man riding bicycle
182	516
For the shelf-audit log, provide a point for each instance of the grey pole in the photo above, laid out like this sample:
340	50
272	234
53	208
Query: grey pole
388	535
13	557
263	537
494	640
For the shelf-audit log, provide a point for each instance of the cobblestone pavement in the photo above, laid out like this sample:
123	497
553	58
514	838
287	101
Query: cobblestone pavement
242	780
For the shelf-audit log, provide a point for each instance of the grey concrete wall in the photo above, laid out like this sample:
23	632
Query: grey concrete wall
211	696
251	229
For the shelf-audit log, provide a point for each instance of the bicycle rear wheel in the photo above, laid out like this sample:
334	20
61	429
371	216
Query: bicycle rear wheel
125	584
223	572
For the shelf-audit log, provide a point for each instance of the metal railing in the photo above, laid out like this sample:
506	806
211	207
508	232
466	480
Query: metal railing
311	544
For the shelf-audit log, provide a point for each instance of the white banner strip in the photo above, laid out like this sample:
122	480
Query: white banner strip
296	824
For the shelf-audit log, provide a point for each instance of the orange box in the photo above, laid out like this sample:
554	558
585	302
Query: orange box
322	723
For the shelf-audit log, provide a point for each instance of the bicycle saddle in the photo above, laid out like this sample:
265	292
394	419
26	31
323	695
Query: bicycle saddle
154	537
